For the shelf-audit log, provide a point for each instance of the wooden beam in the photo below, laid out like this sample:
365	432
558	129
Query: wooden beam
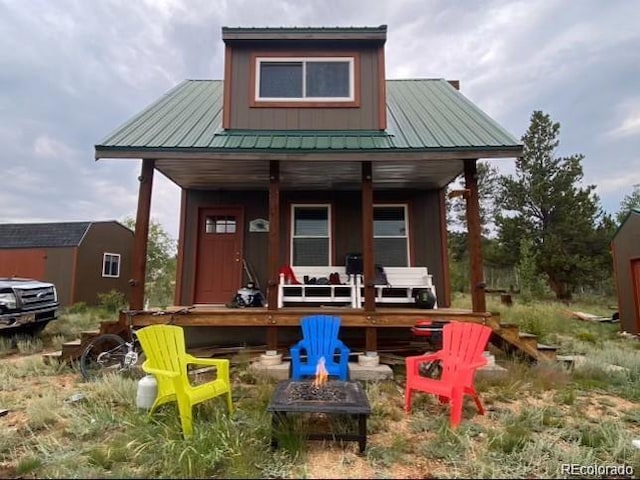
445	301
274	247
177	297
141	237
474	237
368	269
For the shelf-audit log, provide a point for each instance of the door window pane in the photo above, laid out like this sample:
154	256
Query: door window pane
220	224
281	79
328	79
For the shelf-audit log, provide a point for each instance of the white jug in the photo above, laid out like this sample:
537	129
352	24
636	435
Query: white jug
147	392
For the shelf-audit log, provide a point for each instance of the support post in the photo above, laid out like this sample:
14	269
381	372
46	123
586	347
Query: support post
368	268
274	247
474	237
141	236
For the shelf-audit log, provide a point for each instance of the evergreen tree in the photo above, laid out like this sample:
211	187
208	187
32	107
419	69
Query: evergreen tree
544	202
628	202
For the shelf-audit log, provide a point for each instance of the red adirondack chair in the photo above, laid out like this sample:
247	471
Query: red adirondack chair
460	357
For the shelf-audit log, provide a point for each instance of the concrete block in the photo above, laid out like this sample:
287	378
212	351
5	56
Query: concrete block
362	372
494	370
278	372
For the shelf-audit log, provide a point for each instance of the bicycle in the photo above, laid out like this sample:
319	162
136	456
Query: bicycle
113	353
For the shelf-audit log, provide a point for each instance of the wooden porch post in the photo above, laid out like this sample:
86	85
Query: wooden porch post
474	237
141	236
367	252
274	247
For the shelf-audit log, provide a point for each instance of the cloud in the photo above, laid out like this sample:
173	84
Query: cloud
71	72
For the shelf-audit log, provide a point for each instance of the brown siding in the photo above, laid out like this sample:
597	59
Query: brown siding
52	265
256	205
103	237
424	224
243	116
59	271
626	245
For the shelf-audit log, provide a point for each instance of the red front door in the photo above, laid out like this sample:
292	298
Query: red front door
219	255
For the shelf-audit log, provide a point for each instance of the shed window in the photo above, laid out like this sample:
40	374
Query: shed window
111	265
311	79
311	235
391	235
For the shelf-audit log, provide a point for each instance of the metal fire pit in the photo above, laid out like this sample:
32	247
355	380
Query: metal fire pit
334	398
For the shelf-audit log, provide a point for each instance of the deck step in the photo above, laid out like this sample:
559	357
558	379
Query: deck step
51	358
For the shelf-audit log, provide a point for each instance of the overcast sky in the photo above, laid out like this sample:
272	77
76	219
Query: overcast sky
73	71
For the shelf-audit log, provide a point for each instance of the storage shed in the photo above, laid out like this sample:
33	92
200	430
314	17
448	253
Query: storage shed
82	259
625	247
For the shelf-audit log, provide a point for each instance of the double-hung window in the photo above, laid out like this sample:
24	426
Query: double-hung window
111	265
311	235
305	79
391	235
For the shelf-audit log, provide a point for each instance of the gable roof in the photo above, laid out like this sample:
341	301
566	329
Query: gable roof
422	115
632	211
43	235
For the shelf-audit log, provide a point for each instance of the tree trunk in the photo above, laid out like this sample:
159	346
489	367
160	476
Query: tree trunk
561	289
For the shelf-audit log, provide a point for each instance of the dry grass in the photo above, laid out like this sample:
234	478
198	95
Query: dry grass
538	418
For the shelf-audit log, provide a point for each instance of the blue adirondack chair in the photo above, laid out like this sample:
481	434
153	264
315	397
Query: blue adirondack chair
320	339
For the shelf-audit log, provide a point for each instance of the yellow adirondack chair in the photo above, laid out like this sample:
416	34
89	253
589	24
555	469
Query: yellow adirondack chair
167	359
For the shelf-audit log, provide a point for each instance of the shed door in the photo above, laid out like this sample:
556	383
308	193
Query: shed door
635	274
219	256
23	263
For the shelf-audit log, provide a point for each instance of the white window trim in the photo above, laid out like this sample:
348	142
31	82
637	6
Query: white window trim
293	230
104	260
305	60
407	235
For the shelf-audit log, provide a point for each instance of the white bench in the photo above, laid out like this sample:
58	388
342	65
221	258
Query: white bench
332	294
402	282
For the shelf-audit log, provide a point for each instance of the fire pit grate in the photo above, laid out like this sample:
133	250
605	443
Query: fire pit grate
333	398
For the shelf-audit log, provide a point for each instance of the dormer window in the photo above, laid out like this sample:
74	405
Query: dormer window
305	81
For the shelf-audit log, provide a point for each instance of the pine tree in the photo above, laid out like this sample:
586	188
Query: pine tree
545	202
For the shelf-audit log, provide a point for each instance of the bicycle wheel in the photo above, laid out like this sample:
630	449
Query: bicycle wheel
103	354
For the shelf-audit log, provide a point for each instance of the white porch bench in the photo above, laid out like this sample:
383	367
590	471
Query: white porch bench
325	294
402	282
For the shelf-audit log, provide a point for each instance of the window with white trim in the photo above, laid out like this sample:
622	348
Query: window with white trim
111	265
390	235
305	79
310	235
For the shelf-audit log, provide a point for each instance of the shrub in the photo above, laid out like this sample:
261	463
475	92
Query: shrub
112	301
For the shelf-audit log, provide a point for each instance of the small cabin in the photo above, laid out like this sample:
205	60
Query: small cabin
82	259
625	247
305	156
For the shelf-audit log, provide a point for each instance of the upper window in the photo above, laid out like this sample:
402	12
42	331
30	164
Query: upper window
305	79
111	265
311	235
391	235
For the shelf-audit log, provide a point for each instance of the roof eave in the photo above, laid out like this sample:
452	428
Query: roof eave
114	152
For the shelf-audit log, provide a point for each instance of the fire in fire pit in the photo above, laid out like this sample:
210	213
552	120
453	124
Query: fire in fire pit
321	373
309	392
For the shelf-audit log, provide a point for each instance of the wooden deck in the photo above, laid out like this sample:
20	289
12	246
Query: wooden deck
220	316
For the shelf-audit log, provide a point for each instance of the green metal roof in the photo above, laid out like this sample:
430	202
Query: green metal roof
422	116
304	33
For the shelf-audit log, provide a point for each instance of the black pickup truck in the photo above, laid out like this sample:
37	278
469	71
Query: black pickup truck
26	306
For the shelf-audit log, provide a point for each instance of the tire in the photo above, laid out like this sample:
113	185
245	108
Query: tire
103	354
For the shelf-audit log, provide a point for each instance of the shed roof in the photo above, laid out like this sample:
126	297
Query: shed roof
426	115
44	235
632	211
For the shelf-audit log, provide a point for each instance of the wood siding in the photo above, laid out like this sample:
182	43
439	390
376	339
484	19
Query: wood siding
53	265
626	247
424	225
242	116
103	237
